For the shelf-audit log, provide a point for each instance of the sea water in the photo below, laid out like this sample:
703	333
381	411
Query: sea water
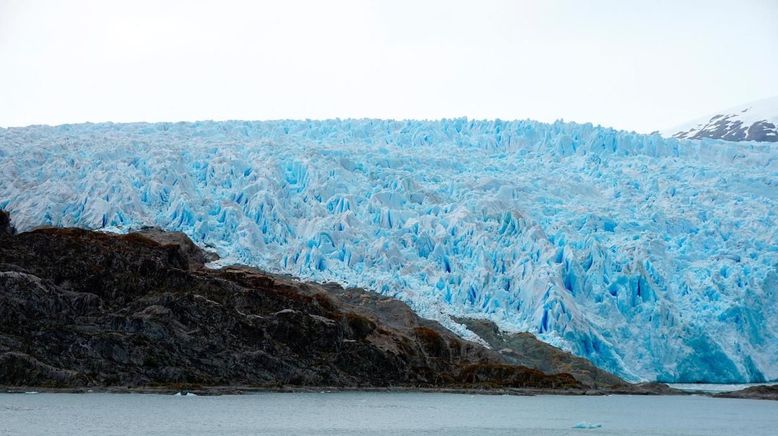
382	414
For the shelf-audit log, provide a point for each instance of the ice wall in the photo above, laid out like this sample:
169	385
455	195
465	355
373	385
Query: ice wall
655	258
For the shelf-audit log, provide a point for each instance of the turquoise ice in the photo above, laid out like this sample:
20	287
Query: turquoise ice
655	258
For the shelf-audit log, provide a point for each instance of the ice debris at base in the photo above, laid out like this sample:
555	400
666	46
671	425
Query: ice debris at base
587	425
655	258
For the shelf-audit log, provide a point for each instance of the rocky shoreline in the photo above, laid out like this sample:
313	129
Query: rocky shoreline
754	392
90	311
648	389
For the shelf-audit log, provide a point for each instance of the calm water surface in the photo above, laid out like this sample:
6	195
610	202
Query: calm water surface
381	414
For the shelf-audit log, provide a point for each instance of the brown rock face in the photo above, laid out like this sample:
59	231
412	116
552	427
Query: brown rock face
526	350
81	308
765	392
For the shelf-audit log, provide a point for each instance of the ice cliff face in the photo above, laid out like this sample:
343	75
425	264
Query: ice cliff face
655	258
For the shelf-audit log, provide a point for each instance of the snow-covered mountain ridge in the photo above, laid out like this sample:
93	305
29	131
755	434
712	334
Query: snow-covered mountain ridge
655	258
756	121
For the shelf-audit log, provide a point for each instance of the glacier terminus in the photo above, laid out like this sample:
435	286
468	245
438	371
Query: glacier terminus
656	258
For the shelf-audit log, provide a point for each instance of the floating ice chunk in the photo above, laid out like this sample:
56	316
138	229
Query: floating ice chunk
587	425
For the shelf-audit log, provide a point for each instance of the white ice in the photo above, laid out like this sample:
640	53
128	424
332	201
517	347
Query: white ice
655	258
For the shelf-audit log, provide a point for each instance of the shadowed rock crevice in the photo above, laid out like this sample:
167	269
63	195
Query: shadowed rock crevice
6	229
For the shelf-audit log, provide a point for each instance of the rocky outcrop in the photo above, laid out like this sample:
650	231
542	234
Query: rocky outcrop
765	392
728	128
526	350
81	308
755	121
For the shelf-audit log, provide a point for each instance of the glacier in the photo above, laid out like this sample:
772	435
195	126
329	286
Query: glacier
655	258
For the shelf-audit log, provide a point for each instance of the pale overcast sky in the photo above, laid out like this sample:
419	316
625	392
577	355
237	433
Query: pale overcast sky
635	65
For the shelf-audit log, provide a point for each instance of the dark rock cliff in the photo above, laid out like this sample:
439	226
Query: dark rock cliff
82	308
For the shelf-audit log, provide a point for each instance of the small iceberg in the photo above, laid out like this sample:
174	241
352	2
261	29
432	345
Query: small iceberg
587	425
184	394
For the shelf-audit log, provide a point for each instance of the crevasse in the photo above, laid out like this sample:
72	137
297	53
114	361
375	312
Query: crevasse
655	258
